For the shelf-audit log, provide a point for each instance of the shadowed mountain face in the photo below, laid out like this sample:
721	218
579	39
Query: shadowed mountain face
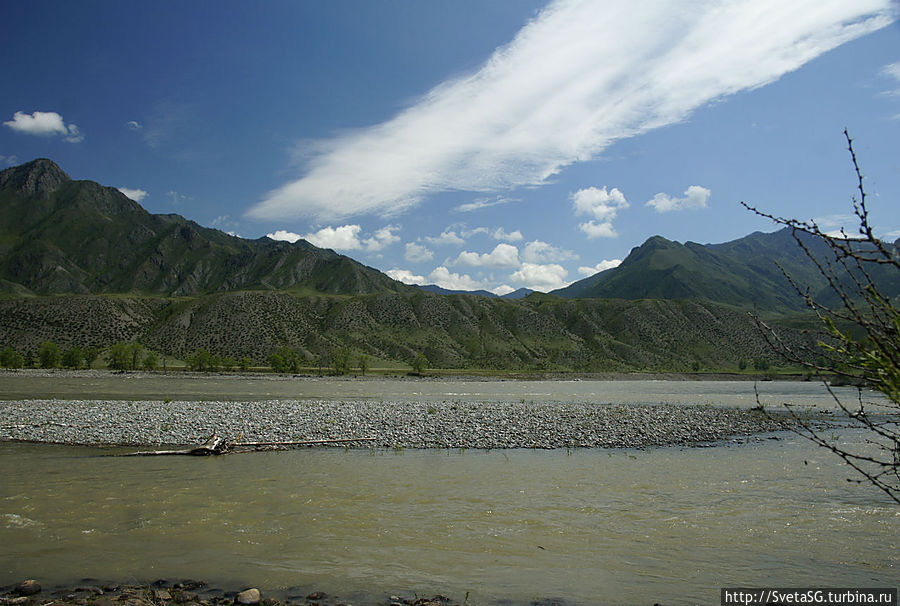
58	236
745	273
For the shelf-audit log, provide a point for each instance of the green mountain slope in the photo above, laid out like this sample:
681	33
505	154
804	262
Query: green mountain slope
742	273
455	331
58	235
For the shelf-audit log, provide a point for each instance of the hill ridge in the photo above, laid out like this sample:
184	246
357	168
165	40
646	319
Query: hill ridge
65	236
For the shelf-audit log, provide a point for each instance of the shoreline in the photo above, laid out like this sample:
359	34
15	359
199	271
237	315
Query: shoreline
188	592
448	424
433	375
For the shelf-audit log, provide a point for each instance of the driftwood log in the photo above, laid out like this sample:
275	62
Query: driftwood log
216	445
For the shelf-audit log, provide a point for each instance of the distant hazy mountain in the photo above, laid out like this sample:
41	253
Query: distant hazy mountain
58	235
743	272
517	294
446	291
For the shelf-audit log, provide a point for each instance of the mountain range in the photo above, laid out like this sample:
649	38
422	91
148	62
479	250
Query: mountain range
58	235
82	264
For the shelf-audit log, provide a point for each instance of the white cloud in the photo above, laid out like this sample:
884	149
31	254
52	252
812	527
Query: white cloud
592	229
601	266
9	160
694	197
345	237
599	203
405	276
541	252
135	194
45	124
281	234
444	278
483	203
448	236
416	253
383	238
541	277
503	255
503	289
502	234
134	125
578	77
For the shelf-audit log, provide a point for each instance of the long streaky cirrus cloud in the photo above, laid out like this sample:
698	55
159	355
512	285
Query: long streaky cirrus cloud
580	76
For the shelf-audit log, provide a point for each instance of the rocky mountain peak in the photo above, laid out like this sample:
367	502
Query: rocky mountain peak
38	177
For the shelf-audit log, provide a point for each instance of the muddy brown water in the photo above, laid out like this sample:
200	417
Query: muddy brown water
668	525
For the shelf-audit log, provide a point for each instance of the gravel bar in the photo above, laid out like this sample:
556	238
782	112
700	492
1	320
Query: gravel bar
449	424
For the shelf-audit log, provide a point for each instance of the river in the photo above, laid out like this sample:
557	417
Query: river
669	525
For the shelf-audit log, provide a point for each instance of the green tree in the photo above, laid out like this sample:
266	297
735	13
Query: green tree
419	363
201	361
761	364
73	357
90	356
340	361
863	341
135	353
118	356
10	359
48	354
285	360
151	360
244	364
276	361
363	364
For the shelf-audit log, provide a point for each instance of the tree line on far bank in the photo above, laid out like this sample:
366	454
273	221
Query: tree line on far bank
134	356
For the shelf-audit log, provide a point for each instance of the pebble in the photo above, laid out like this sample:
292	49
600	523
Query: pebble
248	597
393	424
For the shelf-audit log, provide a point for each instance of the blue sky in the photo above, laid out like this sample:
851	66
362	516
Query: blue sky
469	143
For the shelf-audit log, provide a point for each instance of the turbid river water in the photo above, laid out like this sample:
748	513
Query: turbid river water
666	525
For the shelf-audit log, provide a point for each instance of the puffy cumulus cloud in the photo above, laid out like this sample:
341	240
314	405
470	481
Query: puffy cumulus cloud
347	237
502	234
287	236
503	255
416	253
601	266
444	278
45	124
135	194
578	77
593	229
405	276
448	236
503	289
694	197
601	204
541	252
540	277
382	238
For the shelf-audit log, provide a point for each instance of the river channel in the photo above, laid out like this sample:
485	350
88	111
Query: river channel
583	526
